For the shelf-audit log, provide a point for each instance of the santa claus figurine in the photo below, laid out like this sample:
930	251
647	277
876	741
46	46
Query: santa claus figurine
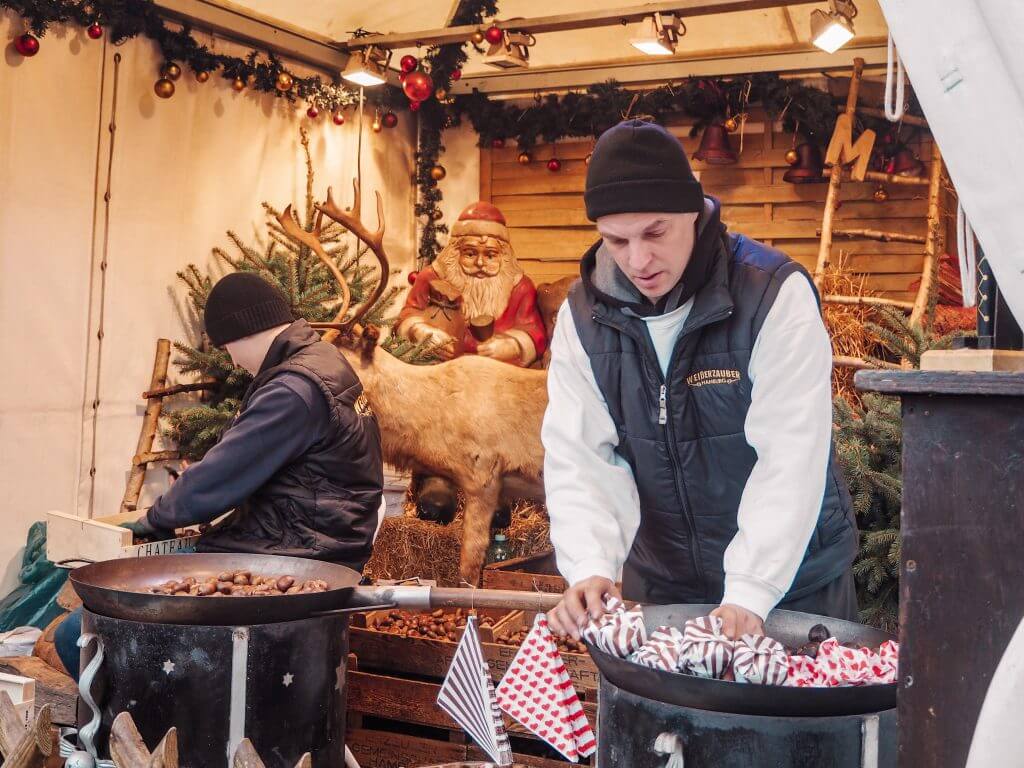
479	262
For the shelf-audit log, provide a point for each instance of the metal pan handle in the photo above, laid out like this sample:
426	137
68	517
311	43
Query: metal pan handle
355	609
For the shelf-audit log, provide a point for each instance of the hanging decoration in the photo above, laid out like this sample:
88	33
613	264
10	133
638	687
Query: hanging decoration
418	86
312	113
408	63
122	21
881	194
524	158
390	119
494	35
164	88
26	44
438	172
338	118
554	165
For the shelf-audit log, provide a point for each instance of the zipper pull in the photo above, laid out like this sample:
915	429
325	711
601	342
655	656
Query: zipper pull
662	406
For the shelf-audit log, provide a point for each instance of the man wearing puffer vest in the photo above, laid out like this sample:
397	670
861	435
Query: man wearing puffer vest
688	435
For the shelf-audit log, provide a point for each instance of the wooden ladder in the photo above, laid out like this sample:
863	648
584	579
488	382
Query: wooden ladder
838	156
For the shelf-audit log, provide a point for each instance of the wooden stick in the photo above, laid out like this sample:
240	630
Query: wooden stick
877	234
177	389
933	242
841	361
888	178
908	119
149	458
835	174
128	750
150	422
870	301
246	757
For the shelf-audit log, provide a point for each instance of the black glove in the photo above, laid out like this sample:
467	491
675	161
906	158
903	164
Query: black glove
142	529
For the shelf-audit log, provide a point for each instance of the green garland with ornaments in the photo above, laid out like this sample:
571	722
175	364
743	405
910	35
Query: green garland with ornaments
121	20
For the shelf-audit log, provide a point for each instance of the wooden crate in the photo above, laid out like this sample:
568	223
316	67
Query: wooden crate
534	573
414	702
72	538
582	669
378	748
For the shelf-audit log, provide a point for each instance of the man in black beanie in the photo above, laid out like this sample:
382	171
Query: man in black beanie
301	464
688	432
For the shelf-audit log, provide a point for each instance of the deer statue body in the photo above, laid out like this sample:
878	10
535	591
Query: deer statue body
473	420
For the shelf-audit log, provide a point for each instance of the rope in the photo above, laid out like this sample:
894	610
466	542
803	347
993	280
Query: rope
894	110
670	744
967	255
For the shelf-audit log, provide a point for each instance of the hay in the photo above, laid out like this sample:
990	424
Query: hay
408	547
845	324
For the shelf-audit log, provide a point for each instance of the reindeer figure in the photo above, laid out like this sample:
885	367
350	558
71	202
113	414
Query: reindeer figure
23	747
473	420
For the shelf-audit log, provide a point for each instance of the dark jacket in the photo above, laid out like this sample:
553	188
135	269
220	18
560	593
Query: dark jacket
683	434
302	462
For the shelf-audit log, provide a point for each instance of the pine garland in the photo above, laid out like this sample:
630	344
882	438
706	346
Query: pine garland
125	19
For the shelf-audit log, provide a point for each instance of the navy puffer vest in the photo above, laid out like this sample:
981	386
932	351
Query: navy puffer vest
683	436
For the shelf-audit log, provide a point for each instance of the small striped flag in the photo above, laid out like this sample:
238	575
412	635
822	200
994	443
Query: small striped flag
467	694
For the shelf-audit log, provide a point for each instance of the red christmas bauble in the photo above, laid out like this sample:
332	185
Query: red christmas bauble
94	31
390	120
554	165
339	119
408	63
412	278
312	112
27	44
457	74
890	167
497	143
402	76
418	86
494	35
414	106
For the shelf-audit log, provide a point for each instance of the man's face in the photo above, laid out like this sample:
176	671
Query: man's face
651	249
480	257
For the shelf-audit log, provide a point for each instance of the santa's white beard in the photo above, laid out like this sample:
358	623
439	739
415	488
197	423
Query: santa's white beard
483	296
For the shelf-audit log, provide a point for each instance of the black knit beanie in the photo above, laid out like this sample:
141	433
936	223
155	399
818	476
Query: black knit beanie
639	167
241	304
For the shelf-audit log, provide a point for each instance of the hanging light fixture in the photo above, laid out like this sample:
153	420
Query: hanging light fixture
832	29
367	66
512	51
659	34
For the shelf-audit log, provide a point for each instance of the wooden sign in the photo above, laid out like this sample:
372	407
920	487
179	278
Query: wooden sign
843	150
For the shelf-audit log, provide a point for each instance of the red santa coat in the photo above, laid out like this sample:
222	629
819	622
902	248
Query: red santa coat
521	313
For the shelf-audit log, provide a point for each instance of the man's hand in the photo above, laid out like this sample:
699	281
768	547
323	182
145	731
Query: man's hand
142	529
444	342
737	621
582	602
500	347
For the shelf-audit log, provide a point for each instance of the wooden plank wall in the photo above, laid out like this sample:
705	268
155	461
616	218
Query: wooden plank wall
550	230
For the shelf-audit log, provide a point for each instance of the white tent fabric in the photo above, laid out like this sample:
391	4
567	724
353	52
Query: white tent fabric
184	171
966	63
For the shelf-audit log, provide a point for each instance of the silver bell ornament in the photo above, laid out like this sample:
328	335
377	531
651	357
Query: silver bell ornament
80	760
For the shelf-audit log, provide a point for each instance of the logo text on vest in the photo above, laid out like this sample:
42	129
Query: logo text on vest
713	376
362	406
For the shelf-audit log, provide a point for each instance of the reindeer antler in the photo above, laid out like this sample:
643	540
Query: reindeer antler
350	219
312	240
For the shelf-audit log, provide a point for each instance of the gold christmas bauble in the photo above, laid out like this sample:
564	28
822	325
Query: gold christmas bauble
376	126
171	71
477	37
586	160
438	172
440	94
524	158
792	157
238	84
731	125
283	82
202	77
437	215
163	88
881	194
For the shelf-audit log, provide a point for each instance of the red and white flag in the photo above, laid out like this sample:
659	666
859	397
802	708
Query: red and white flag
537	692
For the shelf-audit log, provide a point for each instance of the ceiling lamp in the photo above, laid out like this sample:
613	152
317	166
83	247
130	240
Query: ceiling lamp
367	66
659	34
831	30
512	51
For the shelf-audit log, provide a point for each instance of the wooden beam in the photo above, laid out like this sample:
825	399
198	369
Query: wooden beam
245	26
565	22
870	301
842	361
874	234
150	424
639	72
933	244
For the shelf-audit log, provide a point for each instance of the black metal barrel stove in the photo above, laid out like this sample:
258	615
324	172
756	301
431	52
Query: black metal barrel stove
648	718
270	669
